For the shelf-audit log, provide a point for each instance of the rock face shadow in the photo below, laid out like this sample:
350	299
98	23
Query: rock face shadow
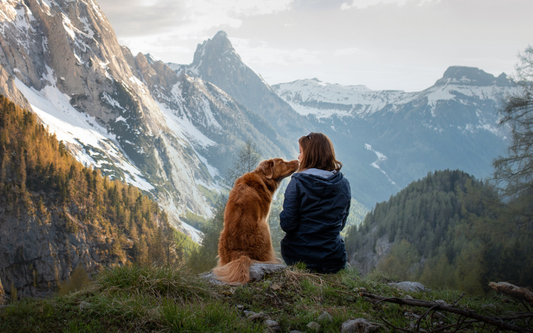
257	272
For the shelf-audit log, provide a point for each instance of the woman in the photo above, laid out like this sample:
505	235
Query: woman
317	203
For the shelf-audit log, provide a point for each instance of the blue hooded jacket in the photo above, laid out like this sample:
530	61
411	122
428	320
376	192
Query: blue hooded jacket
317	203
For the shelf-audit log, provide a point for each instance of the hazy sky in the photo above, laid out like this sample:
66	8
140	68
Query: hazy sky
383	44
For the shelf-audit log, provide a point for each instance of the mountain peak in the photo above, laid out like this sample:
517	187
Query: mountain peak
213	48
150	58
221	34
471	76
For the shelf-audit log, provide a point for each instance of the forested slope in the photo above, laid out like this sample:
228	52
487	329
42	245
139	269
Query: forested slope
445	230
57	215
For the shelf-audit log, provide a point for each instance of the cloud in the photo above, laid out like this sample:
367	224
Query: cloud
167	47
259	53
362	4
205	14
145	17
348	51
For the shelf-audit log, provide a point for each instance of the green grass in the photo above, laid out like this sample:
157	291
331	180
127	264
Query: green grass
147	299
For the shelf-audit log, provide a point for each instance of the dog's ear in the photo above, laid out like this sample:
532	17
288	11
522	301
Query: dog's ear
268	168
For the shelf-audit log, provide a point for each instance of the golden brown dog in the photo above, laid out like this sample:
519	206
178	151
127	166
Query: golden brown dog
245	238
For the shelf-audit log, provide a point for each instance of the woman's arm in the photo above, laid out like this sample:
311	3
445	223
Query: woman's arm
290	216
348	192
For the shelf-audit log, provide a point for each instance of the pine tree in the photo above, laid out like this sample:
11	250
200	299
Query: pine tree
246	161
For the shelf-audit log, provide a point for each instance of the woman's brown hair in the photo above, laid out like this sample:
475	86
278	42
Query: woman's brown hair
318	152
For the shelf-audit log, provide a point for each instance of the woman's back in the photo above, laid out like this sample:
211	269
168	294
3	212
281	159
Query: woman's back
314	213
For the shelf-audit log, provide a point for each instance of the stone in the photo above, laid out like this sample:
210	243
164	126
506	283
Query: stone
84	305
253	316
257	273
408	286
272	325
314	326
259	270
325	317
441	302
359	325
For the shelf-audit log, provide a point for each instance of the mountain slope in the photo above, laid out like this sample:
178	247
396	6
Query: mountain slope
394	137
216	61
446	230
173	130
221	123
57	215
65	59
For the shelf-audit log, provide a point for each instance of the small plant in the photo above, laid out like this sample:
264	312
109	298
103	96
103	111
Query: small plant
78	280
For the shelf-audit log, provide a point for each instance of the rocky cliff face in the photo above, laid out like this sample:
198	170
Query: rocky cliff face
37	252
368	256
62	59
222	123
57	215
171	133
216	61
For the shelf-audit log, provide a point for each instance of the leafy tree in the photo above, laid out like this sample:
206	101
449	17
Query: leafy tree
77	280
204	258
276	233
438	272
399	263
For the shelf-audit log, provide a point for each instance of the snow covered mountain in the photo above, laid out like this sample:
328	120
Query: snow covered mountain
167	132
395	137
216	61
173	130
62	59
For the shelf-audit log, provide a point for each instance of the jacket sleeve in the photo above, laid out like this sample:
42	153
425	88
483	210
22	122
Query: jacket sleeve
349	195
290	215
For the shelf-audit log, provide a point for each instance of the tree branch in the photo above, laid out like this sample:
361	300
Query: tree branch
512	290
467	313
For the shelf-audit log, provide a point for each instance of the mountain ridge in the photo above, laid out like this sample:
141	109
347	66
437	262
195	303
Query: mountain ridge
71	56
216	61
176	127
413	132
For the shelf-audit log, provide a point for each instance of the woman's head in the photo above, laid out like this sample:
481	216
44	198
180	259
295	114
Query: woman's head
316	151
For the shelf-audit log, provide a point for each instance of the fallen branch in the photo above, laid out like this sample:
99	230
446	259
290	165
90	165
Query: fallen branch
423	316
349	294
498	322
454	324
395	327
512	290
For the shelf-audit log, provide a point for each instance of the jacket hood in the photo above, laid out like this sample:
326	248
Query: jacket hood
320	181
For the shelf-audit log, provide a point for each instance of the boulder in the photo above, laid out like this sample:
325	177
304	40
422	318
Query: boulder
257	272
359	325
408	286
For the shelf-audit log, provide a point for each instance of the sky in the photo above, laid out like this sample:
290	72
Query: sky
382	44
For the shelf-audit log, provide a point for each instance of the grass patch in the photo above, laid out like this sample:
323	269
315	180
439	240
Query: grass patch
147	299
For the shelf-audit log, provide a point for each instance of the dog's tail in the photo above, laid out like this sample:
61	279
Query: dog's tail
236	271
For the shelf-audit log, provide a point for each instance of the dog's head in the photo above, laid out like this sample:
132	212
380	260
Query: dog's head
277	169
